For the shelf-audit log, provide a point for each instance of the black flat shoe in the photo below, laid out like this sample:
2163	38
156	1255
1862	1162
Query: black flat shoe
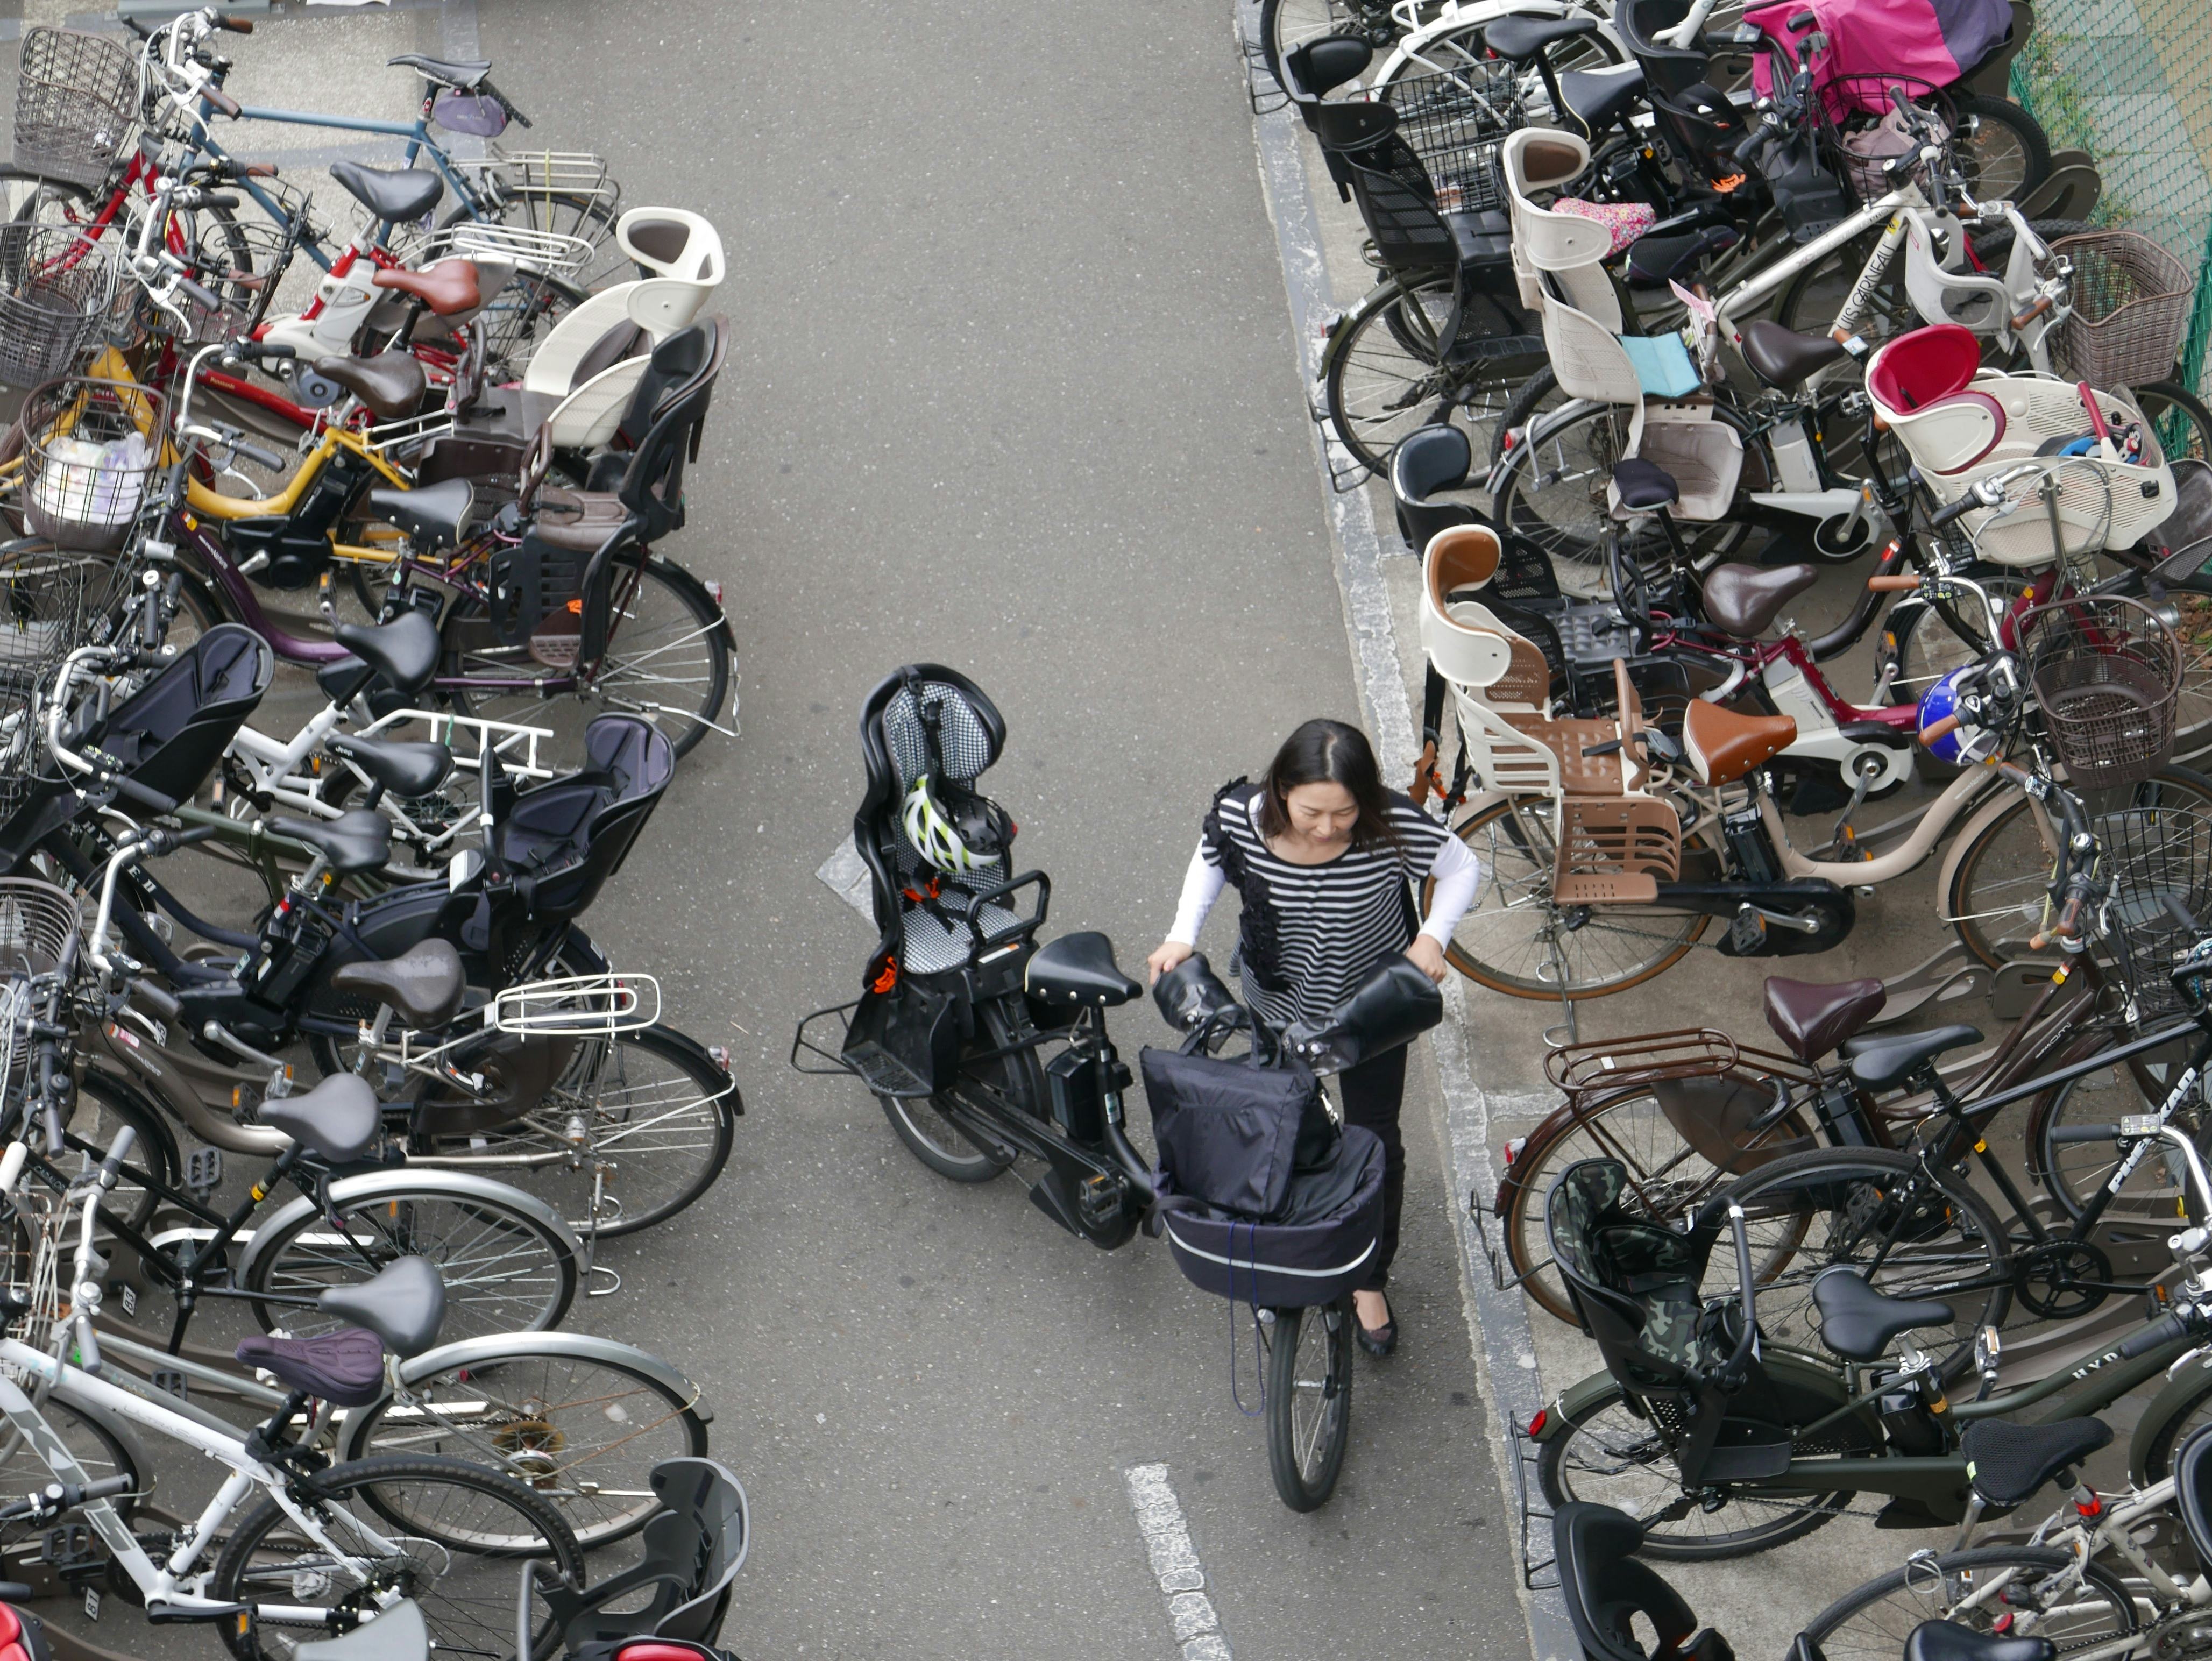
1376	1341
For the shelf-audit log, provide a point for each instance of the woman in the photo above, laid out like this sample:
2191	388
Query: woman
1321	854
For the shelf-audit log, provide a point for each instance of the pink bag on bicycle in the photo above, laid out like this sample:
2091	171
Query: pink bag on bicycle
1936	41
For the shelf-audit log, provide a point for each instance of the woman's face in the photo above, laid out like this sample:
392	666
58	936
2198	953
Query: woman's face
1322	813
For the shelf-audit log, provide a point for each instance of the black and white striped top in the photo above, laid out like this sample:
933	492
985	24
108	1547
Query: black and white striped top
1318	929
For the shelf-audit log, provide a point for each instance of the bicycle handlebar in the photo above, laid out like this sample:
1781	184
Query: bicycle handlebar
2163	1331
222	21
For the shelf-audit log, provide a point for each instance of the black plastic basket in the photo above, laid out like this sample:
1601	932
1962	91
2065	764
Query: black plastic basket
58	290
90	448
1457	120
2106	673
2154	859
1279	1266
76	102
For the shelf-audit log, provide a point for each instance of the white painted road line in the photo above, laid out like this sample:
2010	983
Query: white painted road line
844	876
1497	1321
1175	1563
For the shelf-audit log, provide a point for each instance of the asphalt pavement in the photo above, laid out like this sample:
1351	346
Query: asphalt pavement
1012	390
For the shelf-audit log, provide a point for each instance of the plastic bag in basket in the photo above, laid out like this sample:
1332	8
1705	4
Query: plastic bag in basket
93	484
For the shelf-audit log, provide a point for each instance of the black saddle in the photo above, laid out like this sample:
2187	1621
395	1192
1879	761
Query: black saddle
336	1121
404	652
357	840
424	984
404	766
390	384
436	516
1858	1322
1947	1640
406	193
1783	357
1644	486
1891	1061
1812	1018
1744	600
1521	39
1597	98
466	73
403	1306
2007	1462
1079	968
344	1368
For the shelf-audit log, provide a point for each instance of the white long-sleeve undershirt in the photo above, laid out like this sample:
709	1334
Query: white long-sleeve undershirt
1457	871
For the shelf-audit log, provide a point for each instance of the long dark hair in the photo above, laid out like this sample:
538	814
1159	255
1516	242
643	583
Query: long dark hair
1329	753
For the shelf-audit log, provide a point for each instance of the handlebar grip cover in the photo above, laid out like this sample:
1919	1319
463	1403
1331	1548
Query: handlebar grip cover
1895	582
2163	1331
235	25
1942	728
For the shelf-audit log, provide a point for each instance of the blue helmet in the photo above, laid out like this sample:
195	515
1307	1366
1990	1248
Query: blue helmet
1964	743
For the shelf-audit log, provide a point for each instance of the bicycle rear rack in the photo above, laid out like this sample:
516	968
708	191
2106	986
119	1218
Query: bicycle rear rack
1522	1452
874	1065
577	1006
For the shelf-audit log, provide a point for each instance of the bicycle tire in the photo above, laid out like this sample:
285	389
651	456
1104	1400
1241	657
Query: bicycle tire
153	1154
1014	1075
1831	1207
1571	469
2010	154
1506	836
1994	913
466	1588
1287	25
1831	1629
1659	1161
1307	1461
2182	1420
521	1153
699	633
1446	50
1622	1463
2184	428
532	1415
1380	379
504	1270
2072	1171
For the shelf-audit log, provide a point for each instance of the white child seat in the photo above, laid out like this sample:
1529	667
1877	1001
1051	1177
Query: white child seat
579	380
1961	423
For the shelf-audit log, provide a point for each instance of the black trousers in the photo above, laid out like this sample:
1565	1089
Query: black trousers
1371	1093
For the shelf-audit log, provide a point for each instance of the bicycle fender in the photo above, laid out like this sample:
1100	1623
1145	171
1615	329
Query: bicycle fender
516	1346
1569	1406
2186	1383
718	1059
373	1185
684	579
121	1430
1976	822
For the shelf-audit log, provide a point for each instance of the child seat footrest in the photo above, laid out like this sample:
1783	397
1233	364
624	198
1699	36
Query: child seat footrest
1615	848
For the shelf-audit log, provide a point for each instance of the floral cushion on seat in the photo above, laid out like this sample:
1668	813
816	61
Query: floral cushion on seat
1624	221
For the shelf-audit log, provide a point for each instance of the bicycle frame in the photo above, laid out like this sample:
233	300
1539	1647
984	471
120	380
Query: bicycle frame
162	1585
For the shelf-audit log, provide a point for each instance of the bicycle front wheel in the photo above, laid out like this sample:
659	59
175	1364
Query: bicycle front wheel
581	1430
445	1533
508	1267
1309	1400
1517	939
1998	897
2023	1591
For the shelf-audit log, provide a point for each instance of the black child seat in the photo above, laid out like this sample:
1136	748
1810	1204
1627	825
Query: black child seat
565	837
694	1548
1605	1589
167	736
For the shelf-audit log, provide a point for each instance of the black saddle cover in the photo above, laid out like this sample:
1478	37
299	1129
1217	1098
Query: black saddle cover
1230	1134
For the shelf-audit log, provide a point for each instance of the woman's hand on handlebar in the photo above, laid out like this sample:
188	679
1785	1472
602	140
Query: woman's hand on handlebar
1164	958
1428	957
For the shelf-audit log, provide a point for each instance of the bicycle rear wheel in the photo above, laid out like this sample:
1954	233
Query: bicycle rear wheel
1309	1400
447	1533
1516	939
580	1429
2024	1591
1911	1231
1383	375
505	1268
1010	1074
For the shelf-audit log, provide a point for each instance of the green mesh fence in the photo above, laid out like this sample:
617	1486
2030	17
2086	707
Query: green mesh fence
2130	83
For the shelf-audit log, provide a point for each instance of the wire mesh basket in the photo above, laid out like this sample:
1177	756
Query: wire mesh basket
48	599
1861	129
76	100
1455	120
2131	304
2106	673
2154	858
37	922
57	291
90	452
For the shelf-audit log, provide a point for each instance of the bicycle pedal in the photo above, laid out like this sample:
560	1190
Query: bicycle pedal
1746	932
66	1550
171	1382
202	1171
